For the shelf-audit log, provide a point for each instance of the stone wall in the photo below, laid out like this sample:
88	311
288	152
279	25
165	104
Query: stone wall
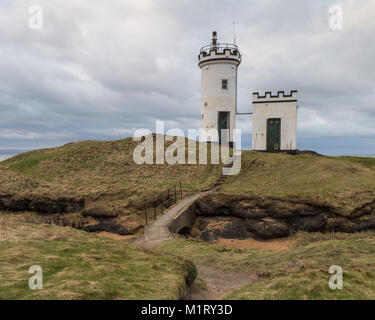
185	219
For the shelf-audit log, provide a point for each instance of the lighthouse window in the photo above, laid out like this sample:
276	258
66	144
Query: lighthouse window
224	84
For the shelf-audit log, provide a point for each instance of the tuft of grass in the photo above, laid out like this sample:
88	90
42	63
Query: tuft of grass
78	265
199	282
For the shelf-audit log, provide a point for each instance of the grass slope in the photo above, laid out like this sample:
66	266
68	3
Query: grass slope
366	161
101	171
344	182
97	167
300	273
78	265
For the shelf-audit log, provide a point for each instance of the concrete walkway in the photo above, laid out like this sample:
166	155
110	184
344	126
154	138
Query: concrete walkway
158	231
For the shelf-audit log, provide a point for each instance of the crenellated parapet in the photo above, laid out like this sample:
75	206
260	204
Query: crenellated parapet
220	52
281	96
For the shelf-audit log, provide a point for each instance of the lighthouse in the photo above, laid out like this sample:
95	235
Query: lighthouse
219	64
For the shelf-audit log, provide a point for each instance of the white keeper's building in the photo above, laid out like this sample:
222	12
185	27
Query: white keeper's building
275	122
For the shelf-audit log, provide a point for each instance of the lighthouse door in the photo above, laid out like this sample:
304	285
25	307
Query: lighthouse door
273	135
223	121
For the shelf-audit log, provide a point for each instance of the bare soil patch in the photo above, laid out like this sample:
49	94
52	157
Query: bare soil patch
219	283
114	236
272	244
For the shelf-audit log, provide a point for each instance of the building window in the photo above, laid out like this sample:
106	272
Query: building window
202	115
224	84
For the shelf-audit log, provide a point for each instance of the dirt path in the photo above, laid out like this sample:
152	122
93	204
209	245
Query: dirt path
276	245
219	283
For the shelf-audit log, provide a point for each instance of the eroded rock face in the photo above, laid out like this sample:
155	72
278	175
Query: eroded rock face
108	226
268	228
341	225
366	224
15	204
212	228
46	206
99	213
309	223
239	217
68	212
41	205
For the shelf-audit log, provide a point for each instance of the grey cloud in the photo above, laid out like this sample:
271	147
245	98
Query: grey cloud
100	70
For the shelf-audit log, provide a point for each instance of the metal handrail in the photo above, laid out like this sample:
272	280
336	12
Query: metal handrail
219	47
172	195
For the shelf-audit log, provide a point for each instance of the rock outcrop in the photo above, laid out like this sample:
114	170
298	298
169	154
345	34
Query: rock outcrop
235	216
65	212
61	205
108	226
98	212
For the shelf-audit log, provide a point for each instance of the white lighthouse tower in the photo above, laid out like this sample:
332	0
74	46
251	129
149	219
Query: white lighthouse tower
219	63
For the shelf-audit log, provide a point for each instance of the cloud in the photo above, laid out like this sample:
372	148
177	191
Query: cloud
100	70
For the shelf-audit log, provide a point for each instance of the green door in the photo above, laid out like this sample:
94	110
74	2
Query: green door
273	135
223	121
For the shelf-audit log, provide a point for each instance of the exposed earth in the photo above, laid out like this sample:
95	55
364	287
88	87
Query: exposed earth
272	244
217	283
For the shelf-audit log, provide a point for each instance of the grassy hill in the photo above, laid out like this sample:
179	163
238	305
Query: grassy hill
78	265
104	173
343	182
101	172
96	168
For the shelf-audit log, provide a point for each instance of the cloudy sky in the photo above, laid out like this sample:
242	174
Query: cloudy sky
101	69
